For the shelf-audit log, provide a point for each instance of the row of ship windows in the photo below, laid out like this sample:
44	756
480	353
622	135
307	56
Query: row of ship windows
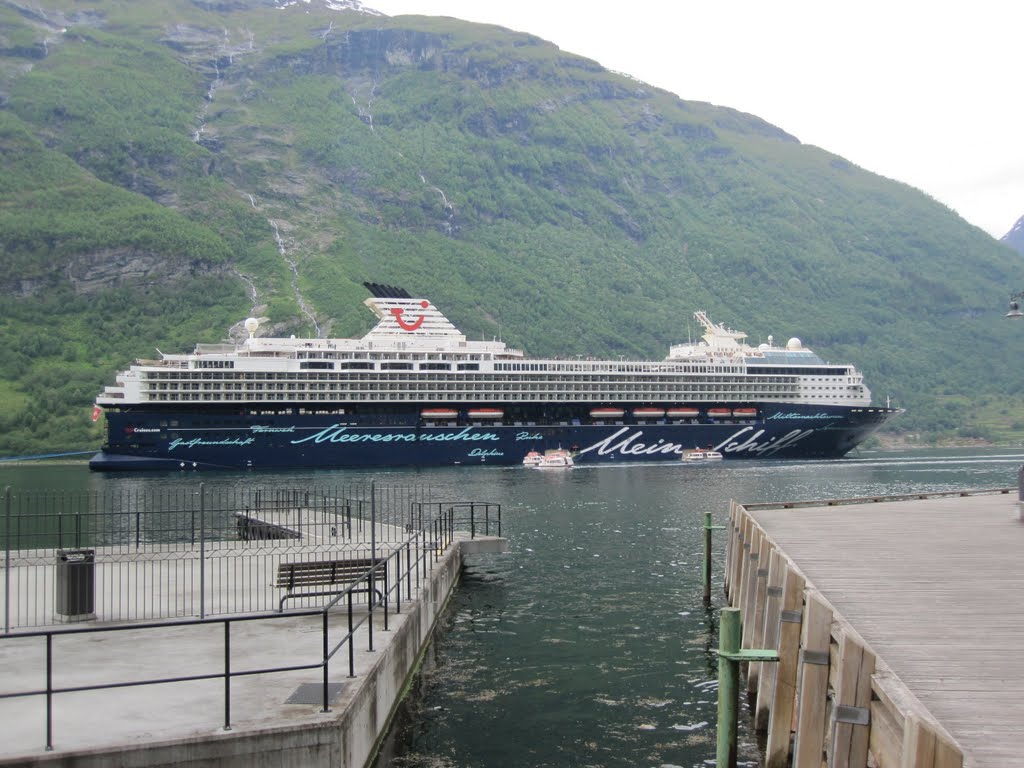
506	390
308	362
475	385
441	398
438	397
350	365
382	381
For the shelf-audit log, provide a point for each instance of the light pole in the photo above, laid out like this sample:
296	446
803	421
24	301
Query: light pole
1015	305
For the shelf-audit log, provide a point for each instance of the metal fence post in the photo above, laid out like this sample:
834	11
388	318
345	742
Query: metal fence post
7	559
202	552
227	674
49	691
327	656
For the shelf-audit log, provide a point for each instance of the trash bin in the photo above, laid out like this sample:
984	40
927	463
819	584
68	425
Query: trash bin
76	575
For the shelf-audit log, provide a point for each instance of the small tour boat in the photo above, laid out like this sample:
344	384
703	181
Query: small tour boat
701	456
532	459
556	458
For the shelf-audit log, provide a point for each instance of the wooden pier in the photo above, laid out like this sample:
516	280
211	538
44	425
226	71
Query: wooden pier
898	623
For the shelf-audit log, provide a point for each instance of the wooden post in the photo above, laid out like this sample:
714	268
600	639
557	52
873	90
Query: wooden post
757	619
743	562
853	705
918	744
730	543
772	609
781	720
947	755
728	688
735	553
740	566
813	686
924	748
750	586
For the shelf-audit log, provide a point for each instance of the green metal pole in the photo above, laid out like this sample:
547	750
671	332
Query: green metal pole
707	558
729	635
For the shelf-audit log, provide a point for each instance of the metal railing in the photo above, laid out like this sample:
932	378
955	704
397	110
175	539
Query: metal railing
482	518
410	562
127	519
199	551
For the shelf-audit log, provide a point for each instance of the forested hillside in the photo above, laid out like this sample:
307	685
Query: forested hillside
171	167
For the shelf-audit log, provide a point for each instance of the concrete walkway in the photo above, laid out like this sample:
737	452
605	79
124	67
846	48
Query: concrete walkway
275	719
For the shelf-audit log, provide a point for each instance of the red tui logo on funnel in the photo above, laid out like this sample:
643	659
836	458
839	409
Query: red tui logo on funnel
398	311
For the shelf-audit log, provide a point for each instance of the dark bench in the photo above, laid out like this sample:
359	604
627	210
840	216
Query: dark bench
309	578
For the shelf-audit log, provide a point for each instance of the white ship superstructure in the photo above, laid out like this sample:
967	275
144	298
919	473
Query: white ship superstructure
428	360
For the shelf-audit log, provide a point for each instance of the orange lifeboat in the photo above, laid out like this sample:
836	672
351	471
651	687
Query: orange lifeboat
439	413
648	413
485	413
682	413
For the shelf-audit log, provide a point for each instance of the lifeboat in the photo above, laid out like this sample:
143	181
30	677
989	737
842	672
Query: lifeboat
532	459
682	413
439	413
606	413
745	413
485	413
648	413
719	413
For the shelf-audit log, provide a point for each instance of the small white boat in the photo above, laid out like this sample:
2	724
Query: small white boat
532	459
701	456
556	458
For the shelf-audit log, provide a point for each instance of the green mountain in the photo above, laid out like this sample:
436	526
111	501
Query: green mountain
171	167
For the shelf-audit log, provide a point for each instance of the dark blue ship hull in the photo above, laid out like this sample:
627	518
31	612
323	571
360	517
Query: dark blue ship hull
148	439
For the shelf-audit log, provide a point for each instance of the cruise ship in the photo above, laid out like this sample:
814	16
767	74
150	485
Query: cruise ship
414	391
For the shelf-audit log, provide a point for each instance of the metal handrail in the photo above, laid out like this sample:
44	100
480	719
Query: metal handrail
478	512
443	537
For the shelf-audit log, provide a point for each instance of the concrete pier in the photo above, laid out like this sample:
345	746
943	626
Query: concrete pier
273	719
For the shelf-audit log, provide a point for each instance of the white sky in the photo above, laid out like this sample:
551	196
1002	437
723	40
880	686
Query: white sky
921	92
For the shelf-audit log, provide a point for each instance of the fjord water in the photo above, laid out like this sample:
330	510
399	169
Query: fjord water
588	644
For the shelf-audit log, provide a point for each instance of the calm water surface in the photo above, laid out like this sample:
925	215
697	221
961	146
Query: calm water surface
588	644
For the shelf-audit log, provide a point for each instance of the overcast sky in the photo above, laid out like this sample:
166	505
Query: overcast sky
921	92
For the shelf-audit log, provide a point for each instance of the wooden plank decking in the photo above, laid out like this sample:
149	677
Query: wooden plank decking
934	588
